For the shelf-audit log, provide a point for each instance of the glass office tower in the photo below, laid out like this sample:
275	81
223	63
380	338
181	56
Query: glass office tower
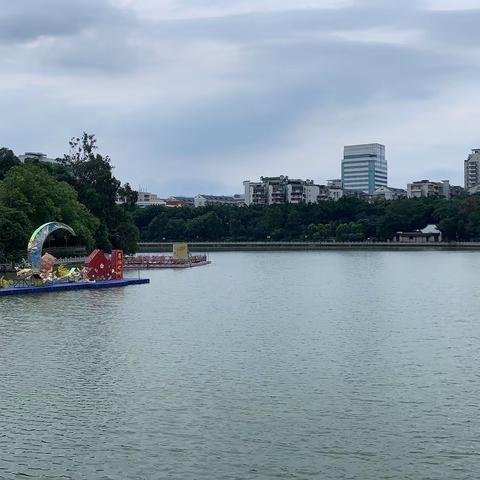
364	167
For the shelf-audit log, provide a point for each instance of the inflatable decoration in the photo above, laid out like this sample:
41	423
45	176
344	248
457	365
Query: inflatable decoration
35	245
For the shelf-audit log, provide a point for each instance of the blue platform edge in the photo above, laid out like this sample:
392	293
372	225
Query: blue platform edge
58	287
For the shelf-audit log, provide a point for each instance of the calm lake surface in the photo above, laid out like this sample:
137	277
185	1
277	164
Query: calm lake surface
297	365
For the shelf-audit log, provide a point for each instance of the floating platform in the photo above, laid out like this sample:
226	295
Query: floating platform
58	287
150	262
148	266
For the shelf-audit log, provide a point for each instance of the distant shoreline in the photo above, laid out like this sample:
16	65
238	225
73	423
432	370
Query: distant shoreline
153	247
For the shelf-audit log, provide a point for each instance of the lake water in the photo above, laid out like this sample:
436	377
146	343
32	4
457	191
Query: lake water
318	365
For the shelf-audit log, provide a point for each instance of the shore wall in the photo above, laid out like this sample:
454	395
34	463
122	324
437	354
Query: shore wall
306	246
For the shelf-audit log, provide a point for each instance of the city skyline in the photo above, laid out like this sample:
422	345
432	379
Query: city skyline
224	91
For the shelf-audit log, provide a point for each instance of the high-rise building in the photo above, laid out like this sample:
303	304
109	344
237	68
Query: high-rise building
472	169
364	167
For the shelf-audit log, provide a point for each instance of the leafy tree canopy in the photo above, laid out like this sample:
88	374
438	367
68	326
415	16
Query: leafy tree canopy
8	160
349	219
40	198
102	194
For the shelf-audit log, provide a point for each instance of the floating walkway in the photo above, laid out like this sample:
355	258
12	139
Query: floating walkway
58	287
141	262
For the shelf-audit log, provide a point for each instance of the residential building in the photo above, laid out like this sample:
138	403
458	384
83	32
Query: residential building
426	188
429	234
205	200
294	190
147	199
335	189
388	193
255	193
330	192
280	190
302	191
360	194
187	201
276	189
457	191
364	167
174	202
335	194
335	183
474	190
472	169
272	191
311	192
36	157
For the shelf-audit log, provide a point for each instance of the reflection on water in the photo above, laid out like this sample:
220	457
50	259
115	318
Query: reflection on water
262	365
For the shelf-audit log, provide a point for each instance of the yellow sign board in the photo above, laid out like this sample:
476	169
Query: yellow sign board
180	250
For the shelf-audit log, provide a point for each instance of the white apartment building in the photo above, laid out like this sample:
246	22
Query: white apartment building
36	156
426	188
205	200
472	169
280	190
364	167
311	193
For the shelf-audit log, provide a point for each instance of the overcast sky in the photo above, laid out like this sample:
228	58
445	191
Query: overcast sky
195	96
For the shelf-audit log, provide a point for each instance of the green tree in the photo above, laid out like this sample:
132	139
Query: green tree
157	227
31	190
8	160
470	216
342	232
99	190
14	233
205	227
175	229
127	196
347	220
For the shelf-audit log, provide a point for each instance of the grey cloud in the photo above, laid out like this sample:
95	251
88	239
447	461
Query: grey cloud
259	26
454	28
291	81
26	20
291	64
86	35
102	52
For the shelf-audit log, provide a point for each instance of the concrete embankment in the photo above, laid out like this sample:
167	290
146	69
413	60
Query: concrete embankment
306	246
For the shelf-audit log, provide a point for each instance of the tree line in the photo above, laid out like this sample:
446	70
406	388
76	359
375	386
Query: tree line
349	219
79	190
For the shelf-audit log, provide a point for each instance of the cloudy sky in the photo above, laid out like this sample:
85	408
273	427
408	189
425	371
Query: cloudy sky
194	96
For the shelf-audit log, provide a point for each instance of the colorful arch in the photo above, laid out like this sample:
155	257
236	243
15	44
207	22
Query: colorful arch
35	245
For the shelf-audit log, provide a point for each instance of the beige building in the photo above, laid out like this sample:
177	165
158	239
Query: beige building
146	199
426	188
388	193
